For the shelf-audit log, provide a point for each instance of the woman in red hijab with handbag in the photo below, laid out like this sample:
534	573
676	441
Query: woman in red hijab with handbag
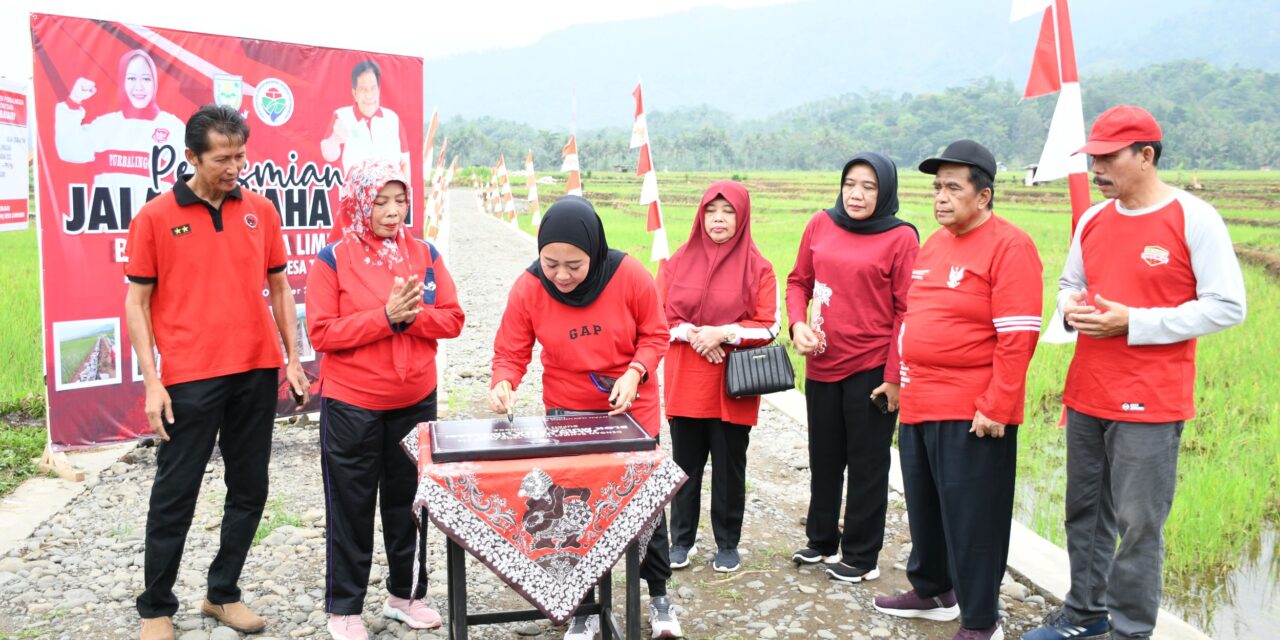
721	294
377	302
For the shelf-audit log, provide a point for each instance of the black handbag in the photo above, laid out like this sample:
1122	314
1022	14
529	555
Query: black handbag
754	372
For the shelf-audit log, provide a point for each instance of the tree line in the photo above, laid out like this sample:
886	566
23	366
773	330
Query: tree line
1212	118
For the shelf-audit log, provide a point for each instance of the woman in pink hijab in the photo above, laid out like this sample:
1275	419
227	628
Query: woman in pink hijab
377	302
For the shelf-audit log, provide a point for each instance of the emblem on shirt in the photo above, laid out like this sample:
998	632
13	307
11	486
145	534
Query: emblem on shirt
1133	406
1155	256
273	102
957	274
228	90
161	136
181	230
251	221
919	274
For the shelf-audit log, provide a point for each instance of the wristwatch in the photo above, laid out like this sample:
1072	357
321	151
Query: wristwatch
729	336
640	369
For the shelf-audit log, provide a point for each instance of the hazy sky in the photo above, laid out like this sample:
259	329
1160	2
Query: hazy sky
398	26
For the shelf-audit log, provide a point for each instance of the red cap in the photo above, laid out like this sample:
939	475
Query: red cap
1119	127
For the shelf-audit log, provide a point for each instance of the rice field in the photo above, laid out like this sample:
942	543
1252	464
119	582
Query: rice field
1228	501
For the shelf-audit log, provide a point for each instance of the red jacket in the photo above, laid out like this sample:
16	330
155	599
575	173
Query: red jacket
624	325
693	387
349	324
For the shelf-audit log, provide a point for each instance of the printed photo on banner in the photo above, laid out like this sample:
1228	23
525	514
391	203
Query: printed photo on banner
306	352
86	353
137	373
366	129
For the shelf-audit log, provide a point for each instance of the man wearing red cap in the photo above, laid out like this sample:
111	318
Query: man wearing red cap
1150	270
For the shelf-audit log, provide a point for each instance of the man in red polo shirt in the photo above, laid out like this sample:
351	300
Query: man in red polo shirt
1149	270
198	257
972	322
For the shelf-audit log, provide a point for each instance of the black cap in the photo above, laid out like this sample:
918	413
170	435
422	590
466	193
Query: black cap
963	152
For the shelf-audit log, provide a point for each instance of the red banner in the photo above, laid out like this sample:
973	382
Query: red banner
112	101
13	156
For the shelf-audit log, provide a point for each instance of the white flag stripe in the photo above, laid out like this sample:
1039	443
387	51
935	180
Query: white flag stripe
649	190
1005	329
1022	9
570	163
1066	134
639	132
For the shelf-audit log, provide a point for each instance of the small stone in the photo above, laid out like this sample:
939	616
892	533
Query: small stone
190	624
767	607
826	635
1015	591
804	588
768	632
879	632
529	629
198	634
1036	600
302	632
224	633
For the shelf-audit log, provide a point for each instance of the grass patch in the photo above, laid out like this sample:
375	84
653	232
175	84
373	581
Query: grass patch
21	377
18	447
275	516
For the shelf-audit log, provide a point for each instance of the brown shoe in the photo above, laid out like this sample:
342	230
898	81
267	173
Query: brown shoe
234	615
157	629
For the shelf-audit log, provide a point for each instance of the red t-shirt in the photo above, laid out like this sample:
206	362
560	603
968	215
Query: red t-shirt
972	323
348	323
693	387
208	313
1144	261
624	325
859	287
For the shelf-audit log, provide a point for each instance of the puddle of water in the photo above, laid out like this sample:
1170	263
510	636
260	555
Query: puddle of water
1243	603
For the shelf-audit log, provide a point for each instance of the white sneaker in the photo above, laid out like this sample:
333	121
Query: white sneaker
662	618
582	628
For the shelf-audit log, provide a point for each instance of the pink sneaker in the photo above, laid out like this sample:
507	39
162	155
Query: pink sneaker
347	628
414	613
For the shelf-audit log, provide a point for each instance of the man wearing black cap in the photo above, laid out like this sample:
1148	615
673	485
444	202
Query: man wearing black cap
972	322
1161	271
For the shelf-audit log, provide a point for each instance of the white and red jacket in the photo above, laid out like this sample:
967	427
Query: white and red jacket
120	148
972	323
1173	265
381	136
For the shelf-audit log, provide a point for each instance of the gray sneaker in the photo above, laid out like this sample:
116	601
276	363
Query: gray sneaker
662	618
680	556
582	628
726	561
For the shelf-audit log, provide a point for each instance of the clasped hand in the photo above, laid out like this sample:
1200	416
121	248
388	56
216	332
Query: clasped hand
405	300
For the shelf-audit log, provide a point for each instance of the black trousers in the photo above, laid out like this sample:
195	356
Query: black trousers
361	457
692	440
959	490
847	434
237	412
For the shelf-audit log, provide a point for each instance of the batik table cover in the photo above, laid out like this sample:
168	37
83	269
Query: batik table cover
549	527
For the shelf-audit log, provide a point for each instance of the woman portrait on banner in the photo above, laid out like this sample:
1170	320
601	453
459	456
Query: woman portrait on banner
720	294
121	144
378	300
850	280
595	312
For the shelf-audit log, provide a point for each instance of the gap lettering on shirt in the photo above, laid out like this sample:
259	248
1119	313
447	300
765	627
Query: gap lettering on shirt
584	331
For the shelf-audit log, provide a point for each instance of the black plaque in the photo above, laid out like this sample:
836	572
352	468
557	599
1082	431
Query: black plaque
536	437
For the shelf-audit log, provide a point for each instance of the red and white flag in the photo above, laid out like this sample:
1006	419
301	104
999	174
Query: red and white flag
572	184
507	203
435	203
649	189
1053	70
534	210
429	145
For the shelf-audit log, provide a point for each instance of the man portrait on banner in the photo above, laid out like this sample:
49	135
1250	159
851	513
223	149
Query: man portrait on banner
366	129
121	144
